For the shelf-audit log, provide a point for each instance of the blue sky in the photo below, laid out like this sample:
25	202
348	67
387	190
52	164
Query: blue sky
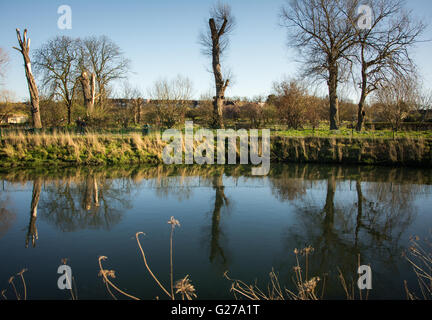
161	39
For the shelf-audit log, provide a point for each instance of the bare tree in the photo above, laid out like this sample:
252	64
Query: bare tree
254	112
136	101
104	58
34	93
170	99
383	49
290	103
324	37
396	100
215	41
57	61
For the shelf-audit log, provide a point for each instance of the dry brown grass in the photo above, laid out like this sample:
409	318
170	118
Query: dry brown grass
306	287
19	149
419	257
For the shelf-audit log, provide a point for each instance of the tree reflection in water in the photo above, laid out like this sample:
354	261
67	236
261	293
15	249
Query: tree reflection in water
92	201
217	254
371	227
32	233
340	211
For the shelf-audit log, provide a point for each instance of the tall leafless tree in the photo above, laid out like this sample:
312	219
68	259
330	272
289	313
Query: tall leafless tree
24	48
383	50
324	37
104	58
57	61
215	41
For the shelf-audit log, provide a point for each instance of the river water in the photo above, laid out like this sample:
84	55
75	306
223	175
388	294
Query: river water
230	221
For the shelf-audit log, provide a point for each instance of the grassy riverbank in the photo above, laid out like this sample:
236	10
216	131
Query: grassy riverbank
404	151
75	149
20	150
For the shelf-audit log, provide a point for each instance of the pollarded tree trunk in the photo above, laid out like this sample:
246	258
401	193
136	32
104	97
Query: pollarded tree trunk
88	86
34	93
221	85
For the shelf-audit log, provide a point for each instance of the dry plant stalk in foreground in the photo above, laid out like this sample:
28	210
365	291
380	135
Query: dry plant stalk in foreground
305	286
11	282
183	287
420	258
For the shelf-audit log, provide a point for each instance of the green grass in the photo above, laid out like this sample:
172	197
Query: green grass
348	133
322	146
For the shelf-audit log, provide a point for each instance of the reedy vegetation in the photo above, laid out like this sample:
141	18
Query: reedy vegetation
100	149
419	256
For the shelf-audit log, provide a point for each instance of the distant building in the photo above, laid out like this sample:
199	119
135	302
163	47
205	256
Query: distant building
15	119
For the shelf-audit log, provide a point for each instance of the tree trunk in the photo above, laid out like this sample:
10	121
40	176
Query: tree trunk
220	84
88	87
364	87
140	103
69	111
137	110
218	112
334	103
361	114
34	93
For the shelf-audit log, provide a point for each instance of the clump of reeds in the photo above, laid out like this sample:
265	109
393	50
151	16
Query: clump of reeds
350	288
17	294
419	257
306	287
183	287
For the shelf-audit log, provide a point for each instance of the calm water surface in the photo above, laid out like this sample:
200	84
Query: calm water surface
229	221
